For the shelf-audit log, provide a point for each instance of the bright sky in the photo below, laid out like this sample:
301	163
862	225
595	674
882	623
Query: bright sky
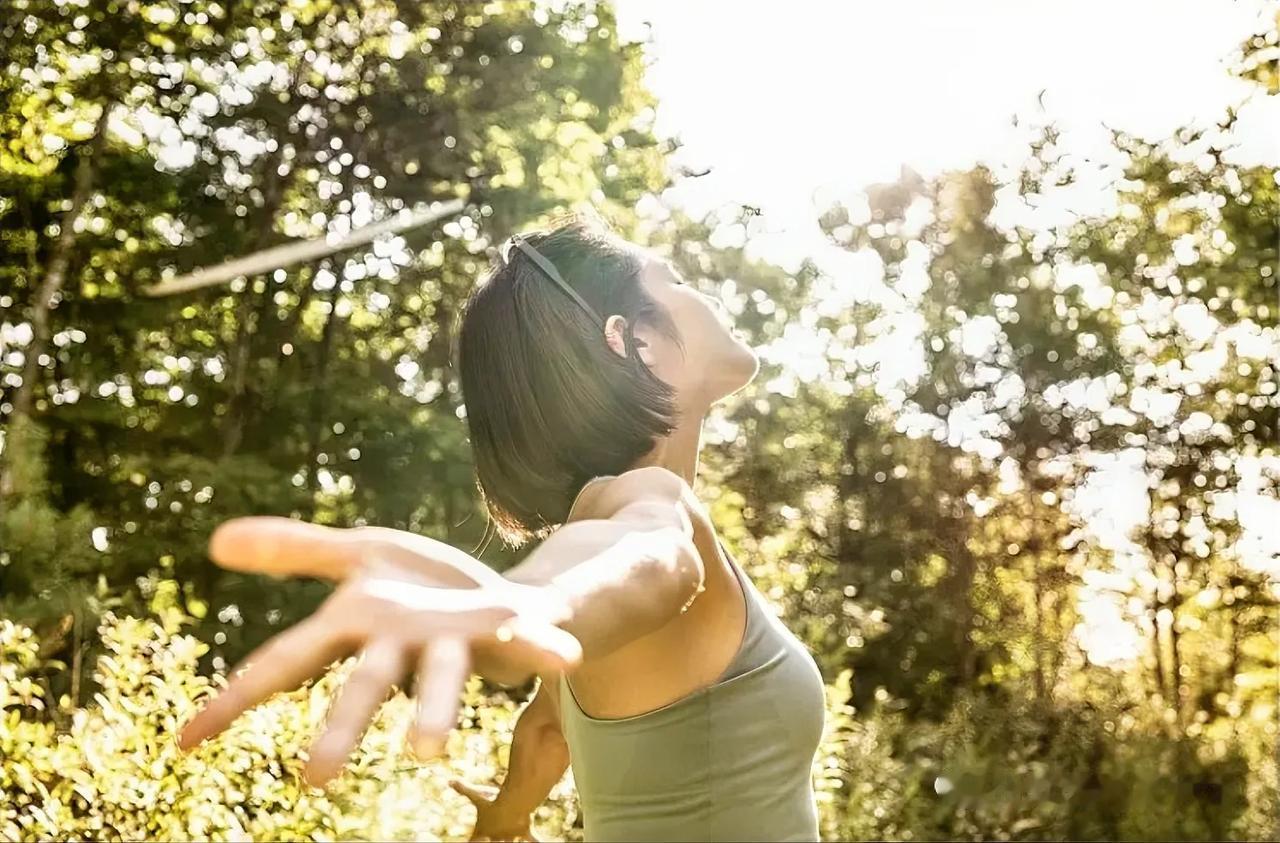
788	102
795	105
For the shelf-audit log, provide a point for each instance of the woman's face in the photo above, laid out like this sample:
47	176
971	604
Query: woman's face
715	361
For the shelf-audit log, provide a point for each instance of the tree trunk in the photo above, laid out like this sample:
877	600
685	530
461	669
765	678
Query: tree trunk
56	273
59	262
966	572
319	377
1157	652
1037	641
77	659
1233	665
847	484
248	316
1175	663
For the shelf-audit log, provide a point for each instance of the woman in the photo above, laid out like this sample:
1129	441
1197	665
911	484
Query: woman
689	712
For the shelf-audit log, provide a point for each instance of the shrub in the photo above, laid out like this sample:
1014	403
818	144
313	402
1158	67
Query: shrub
112	770
992	769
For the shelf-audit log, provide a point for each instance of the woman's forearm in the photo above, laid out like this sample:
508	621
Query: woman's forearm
610	581
538	760
618	580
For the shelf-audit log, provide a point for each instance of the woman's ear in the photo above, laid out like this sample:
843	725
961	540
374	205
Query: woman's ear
615	335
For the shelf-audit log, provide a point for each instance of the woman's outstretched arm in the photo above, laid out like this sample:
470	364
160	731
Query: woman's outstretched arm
623	571
403	604
538	759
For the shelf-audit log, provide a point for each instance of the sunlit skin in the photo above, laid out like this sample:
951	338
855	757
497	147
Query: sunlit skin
637	563
714	363
398	599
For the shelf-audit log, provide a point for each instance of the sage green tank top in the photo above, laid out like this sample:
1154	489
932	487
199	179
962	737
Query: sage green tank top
731	761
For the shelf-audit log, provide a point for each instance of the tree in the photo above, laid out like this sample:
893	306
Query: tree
323	390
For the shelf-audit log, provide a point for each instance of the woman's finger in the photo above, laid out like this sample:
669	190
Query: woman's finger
285	547
479	794
496	615
535	646
283	663
443	669
382	664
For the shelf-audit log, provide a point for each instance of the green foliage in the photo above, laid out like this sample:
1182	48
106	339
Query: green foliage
46	555
142	137
112	771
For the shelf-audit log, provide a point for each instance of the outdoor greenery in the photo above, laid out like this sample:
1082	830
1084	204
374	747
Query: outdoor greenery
931	532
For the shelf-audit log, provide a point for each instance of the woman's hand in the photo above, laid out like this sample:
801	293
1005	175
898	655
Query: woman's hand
402	609
493	823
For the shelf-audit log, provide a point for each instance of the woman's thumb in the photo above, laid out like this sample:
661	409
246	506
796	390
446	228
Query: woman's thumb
478	794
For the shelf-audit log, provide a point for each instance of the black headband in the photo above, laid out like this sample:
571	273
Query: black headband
549	270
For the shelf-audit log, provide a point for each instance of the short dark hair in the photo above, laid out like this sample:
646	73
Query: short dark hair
548	404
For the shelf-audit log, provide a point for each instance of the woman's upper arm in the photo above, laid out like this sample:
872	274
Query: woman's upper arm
652	497
653	501
628	566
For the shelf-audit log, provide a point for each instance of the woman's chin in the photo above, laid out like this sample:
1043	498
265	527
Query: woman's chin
740	369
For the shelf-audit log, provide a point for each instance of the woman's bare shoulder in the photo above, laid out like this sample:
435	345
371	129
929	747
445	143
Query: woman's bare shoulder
610	495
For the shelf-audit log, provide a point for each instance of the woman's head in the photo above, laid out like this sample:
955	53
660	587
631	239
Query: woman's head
554	396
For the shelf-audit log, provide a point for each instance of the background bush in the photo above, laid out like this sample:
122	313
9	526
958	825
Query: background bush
113	771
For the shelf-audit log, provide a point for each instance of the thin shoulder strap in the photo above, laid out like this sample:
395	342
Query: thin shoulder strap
578	497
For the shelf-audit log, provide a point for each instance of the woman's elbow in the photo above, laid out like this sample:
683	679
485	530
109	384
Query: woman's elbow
678	578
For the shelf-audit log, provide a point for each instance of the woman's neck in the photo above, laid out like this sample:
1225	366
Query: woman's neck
678	452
